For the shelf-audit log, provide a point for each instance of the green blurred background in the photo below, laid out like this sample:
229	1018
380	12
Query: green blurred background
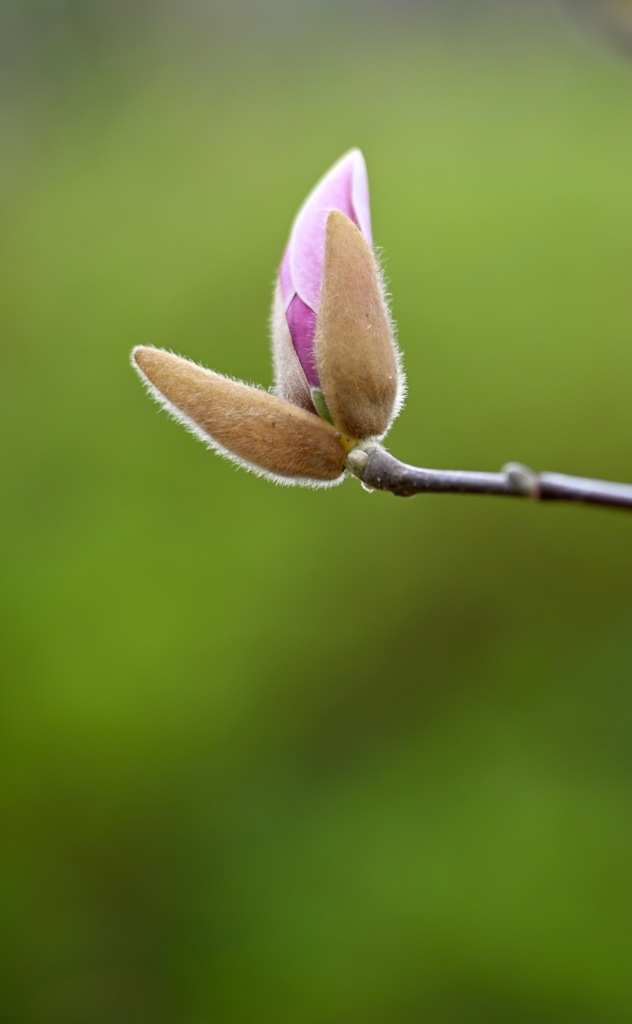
276	755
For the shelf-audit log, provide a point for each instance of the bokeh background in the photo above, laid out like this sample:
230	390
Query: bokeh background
280	755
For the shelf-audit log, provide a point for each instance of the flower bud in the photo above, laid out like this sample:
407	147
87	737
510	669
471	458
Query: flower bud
333	341
346	188
337	369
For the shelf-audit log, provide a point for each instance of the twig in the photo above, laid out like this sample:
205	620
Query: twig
378	470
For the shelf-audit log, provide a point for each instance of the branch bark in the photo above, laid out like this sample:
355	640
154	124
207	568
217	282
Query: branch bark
378	470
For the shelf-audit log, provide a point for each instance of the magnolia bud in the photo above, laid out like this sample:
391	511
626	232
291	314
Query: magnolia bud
336	341
346	188
338	374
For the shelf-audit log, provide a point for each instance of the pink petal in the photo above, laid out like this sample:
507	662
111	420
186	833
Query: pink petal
345	187
302	323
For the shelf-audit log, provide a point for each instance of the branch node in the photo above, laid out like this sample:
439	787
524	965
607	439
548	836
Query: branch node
522	480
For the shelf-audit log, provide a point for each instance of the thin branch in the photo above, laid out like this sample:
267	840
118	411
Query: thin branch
378	470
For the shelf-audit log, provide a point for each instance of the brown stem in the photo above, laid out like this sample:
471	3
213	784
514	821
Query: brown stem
378	470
